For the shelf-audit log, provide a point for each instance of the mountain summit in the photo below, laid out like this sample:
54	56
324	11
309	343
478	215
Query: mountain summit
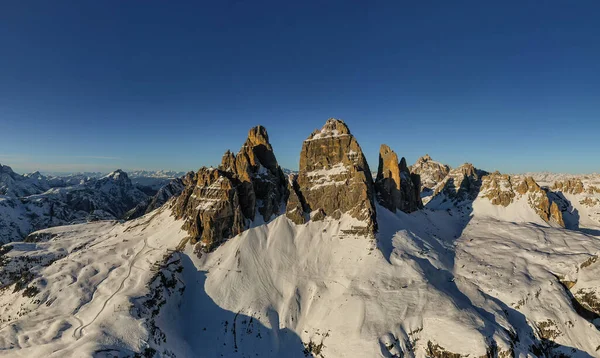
334	179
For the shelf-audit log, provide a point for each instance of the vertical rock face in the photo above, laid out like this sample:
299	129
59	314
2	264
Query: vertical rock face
334	178
396	187
388	182
211	208
218	203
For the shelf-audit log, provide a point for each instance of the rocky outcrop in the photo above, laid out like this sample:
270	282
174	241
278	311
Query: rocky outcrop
334	178
220	203
538	199
462	183
502	189
430	171
396	187
498	188
262	184
570	186
576	186
210	208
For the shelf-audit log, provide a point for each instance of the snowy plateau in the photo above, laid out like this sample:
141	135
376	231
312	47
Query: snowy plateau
489	265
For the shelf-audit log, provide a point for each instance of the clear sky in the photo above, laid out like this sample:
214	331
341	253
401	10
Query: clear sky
96	85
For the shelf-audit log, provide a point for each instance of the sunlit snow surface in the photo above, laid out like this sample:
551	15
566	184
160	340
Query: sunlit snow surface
458	278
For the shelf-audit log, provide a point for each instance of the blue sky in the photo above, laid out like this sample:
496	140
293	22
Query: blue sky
96	85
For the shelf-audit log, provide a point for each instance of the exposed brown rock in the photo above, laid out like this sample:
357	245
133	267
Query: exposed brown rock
569	186
498	189
502	189
261	179
462	183
589	202
556	214
396	187
334	175
210	208
387	183
217	203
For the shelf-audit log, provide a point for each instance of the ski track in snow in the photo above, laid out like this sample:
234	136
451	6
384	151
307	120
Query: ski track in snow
81	327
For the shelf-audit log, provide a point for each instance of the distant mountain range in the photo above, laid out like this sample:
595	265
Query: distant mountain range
34	201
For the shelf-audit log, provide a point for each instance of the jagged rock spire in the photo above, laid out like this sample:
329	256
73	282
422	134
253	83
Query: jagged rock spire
218	203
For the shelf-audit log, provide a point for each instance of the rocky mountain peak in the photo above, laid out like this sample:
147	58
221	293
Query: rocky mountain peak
219	203
334	179
430	171
116	178
258	136
424	159
5	169
332	128
468	169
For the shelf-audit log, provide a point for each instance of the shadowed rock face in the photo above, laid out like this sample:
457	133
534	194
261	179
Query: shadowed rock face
262	182
297	210
396	187
388	179
334	178
219	203
462	183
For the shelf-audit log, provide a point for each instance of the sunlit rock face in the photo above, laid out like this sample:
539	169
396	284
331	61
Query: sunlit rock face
334	177
220	203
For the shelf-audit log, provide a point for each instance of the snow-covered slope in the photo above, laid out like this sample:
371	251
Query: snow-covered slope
74	284
433	282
